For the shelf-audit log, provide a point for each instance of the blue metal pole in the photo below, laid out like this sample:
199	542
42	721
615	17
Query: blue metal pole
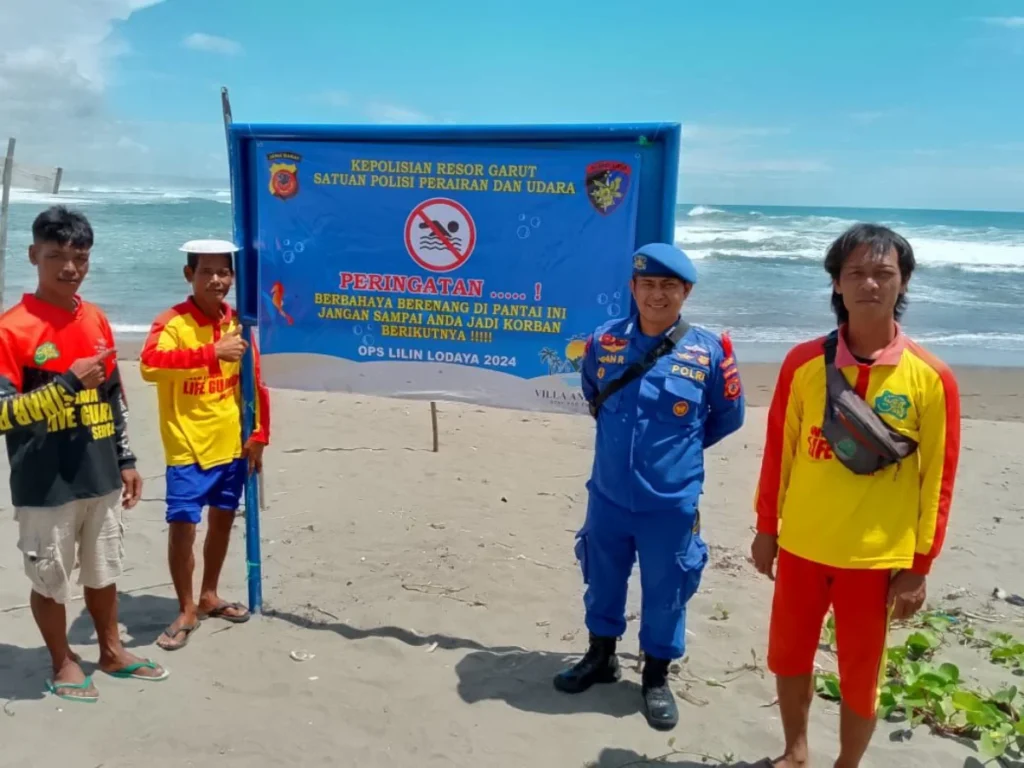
253	558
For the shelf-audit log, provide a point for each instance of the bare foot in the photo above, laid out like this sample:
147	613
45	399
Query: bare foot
791	761
139	667
177	634
211	606
68	680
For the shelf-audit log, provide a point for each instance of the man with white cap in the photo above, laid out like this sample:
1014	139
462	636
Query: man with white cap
193	354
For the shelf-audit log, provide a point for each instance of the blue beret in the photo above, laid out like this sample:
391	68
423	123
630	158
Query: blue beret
663	260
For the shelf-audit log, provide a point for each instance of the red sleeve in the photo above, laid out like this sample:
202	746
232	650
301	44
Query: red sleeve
939	453
782	435
261	434
10	367
165	357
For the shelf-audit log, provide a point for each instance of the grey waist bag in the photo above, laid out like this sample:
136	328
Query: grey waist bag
859	437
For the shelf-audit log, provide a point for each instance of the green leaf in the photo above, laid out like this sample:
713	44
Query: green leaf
967	701
922	642
991	746
826	685
951	672
932	681
944	709
1005	696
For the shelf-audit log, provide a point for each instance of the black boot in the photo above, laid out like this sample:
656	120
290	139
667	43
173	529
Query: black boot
659	703
599	665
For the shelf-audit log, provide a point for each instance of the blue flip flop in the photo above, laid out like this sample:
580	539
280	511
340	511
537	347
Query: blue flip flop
53	687
131	672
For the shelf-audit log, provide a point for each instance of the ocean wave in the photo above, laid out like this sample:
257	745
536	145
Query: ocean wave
795	335
704	210
1002	251
121	196
28	197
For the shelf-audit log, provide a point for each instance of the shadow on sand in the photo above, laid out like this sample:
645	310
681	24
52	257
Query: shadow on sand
520	678
627	758
24	671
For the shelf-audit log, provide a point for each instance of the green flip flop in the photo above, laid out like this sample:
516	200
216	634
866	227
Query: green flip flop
53	687
131	672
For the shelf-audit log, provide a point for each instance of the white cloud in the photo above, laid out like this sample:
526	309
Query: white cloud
53	75
393	113
200	41
1009	22
738	151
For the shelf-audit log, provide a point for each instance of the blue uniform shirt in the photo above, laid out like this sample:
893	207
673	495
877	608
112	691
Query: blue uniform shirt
651	435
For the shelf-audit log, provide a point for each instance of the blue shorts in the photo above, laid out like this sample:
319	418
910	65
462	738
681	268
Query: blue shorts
190	488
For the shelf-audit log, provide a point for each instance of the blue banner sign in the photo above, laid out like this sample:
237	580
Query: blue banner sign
448	270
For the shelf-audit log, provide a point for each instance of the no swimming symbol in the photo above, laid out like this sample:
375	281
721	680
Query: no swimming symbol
440	234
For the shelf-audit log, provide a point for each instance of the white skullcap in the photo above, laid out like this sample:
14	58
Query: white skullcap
209	246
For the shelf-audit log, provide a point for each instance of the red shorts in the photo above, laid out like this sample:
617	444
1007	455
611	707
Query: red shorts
804	590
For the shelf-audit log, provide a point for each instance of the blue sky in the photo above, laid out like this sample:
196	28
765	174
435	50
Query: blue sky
904	103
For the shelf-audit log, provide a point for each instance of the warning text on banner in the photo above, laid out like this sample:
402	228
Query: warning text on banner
455	272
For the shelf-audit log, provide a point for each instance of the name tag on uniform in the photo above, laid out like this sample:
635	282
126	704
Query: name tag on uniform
689	372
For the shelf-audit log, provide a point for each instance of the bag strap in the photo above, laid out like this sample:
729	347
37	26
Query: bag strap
639	368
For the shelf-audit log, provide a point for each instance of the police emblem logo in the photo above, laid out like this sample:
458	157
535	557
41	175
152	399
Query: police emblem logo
600	372
681	408
612	344
639	263
732	388
703	360
607	183
284	174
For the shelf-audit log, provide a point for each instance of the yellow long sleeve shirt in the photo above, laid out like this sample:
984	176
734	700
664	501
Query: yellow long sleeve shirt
821	511
199	396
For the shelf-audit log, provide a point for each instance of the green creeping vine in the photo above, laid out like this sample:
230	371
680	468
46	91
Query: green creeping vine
920	691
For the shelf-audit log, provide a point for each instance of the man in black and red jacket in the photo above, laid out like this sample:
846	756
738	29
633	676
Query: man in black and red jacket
64	415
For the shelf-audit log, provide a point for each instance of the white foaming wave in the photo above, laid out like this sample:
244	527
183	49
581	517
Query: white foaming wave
122	196
704	210
968	253
992	339
793	335
1002	252
803	254
28	197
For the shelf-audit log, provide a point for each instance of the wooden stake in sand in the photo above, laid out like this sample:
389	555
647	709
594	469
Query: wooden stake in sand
5	198
433	423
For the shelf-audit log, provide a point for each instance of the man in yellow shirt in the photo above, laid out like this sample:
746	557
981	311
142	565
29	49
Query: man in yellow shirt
193	354
856	483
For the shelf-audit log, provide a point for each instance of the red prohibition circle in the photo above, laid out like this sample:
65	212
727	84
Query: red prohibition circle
418	214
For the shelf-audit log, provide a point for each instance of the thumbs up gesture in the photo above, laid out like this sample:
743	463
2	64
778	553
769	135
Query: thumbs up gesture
231	346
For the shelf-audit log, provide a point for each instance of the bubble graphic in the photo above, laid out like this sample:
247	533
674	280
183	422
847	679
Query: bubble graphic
368	340
617	295
523	232
287	243
300	247
370	328
614	309
602	299
287	257
522	217
535	222
357	330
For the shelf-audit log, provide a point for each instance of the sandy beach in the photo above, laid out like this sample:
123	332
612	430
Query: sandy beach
438	594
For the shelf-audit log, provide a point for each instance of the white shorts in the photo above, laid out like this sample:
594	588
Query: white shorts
87	534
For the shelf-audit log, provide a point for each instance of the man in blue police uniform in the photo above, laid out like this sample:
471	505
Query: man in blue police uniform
662	392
